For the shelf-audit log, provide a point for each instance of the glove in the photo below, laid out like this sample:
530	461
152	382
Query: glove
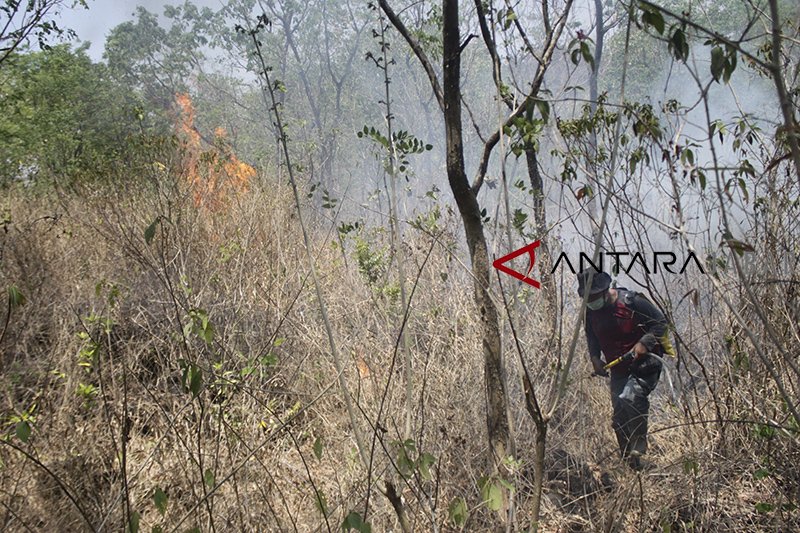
639	350
597	363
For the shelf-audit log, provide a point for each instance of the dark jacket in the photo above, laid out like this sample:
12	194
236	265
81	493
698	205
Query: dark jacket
616	328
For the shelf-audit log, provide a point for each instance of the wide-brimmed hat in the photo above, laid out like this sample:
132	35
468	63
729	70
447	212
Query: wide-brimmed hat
600	281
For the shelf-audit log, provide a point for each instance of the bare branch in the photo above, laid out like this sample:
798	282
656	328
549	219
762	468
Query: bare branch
546	18
489	41
488	147
418	51
522	33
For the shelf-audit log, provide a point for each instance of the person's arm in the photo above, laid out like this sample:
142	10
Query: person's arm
652	321
594	350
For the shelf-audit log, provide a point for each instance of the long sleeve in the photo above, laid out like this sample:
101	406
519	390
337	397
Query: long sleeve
591	340
651	319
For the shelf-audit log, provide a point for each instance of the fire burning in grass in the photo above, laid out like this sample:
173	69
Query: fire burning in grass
215	175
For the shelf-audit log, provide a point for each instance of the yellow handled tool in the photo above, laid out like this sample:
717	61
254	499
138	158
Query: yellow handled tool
624	357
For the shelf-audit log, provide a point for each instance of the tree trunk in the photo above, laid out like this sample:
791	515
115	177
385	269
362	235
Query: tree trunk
497	421
545	259
538	471
594	75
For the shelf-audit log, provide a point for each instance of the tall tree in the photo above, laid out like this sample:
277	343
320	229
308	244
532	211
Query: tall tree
320	41
61	115
31	18
159	61
449	96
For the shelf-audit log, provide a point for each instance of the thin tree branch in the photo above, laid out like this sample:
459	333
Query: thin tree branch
522	33
418	51
487	38
58	481
716	35
520	109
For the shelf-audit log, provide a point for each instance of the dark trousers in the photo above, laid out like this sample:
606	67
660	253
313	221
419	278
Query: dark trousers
629	397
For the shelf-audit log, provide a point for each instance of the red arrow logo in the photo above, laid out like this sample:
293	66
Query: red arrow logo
530	249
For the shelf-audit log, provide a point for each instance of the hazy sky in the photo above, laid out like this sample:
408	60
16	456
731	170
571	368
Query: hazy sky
93	24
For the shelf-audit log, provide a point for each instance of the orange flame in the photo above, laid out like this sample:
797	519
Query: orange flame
215	175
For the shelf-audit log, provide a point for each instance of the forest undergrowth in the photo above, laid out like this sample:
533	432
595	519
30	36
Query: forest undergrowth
164	368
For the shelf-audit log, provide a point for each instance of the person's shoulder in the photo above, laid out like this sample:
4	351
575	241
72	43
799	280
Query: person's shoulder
627	296
638	302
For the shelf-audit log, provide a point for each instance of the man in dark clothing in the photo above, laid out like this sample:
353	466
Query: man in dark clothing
619	322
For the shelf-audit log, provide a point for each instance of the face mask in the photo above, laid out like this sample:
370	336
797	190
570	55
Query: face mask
594	305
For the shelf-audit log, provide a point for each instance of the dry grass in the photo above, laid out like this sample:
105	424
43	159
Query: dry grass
269	389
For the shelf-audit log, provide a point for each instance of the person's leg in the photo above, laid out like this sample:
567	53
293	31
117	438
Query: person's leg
620	416
636	426
631	406
640	407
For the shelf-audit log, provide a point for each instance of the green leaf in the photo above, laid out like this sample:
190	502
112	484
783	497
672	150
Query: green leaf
160	498
318	448
150	231
196	382
424	463
689	156
690	466
510	18
506	484
761	473
494	499
404	462
702	177
717	62
678	45
765	431
457	512
269	360
207	333
747	168
587	55
730	65
133	524
743	186
23	430
544	109
15	297
354	521
519	220
763	507
193	379
491	493
209	478
655	19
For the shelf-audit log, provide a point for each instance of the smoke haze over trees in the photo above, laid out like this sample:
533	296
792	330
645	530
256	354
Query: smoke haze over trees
247	249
